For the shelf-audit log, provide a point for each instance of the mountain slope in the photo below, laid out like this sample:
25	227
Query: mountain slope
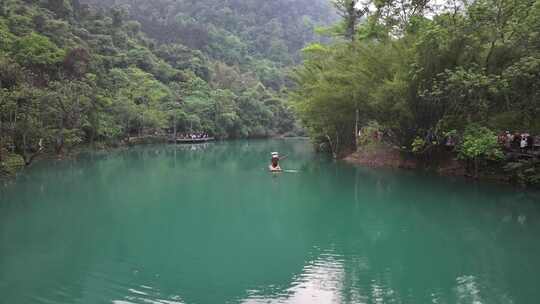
72	73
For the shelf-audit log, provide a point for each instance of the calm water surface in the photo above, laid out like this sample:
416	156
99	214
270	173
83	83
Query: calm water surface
209	224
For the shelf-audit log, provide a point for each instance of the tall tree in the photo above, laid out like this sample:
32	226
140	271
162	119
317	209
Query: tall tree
351	12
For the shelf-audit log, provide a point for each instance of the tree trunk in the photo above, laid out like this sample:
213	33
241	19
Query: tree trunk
333	148
29	156
336	150
351	20
356	129
476	167
174	127
59	147
1	141
141	130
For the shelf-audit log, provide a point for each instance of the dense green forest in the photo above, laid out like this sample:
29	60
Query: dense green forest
261	35
424	75
421	74
74	72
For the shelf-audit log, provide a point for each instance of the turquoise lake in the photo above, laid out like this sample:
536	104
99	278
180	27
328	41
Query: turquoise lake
171	224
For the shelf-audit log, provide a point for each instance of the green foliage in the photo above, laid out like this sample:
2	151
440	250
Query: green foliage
72	73
10	164
10	73
526	172
62	8
36	51
232	31
479	142
368	132
336	82
419	78
6	38
418	145
184	58
20	24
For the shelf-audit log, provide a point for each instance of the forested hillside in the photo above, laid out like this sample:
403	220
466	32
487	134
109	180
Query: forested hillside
255	33
73	72
426	76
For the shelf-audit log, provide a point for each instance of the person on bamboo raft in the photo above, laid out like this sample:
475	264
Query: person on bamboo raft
274	162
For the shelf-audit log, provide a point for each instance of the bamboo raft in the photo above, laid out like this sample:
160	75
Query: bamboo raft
192	140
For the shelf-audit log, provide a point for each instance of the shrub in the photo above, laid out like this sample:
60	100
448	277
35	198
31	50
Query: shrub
479	143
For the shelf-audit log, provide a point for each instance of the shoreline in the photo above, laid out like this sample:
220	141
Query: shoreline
14	163
444	164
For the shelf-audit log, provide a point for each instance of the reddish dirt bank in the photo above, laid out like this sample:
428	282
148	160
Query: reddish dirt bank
381	157
376	157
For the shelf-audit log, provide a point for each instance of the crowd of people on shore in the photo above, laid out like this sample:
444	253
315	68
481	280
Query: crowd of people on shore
524	142
198	135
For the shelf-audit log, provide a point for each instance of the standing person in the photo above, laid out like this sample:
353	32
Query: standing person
509	140
523	144
501	139
530	142
516	141
274	162
450	141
